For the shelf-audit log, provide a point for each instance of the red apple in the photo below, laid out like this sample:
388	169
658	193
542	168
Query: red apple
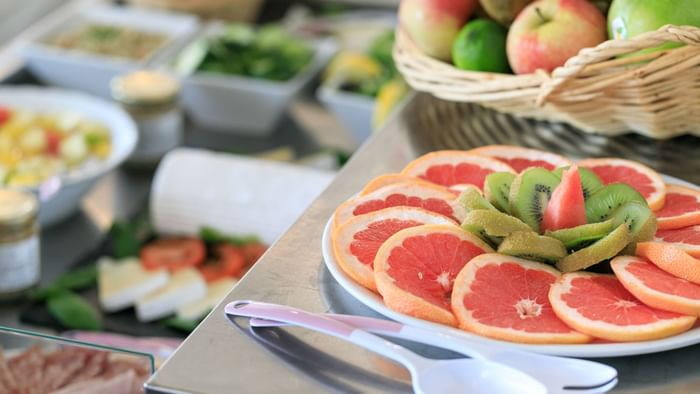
549	32
433	24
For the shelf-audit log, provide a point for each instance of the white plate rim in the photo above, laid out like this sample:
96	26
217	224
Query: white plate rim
595	350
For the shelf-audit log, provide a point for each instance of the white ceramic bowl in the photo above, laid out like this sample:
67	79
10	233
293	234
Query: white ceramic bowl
243	105
355	111
91	72
77	182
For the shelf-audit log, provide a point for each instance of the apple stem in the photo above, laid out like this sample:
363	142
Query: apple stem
539	13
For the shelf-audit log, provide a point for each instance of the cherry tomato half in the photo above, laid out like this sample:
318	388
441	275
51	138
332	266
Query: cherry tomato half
252	252
173	253
5	114
53	141
227	262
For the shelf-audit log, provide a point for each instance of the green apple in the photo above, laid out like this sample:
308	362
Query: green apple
629	18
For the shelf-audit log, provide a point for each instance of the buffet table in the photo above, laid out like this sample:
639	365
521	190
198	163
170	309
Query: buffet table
222	356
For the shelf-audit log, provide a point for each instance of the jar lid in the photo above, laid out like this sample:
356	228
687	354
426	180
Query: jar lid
145	87
17	207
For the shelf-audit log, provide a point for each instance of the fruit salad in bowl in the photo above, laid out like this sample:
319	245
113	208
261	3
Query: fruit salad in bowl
526	246
53	135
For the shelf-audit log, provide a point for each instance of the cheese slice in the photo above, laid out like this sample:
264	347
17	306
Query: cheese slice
216	291
121	283
185	286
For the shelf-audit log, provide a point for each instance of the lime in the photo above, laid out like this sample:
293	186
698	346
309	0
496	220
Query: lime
481	46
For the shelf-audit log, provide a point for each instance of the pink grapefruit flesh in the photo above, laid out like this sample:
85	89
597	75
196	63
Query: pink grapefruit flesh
686	238
356	242
520	158
505	298
454	169
682	208
600	306
656	287
415	269
645	180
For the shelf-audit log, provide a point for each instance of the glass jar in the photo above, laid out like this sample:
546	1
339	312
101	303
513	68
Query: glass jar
150	97
20	266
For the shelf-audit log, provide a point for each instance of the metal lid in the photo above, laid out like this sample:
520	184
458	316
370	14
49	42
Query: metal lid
17	207
145	87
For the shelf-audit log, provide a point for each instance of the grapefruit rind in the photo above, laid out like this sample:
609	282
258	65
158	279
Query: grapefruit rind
402	301
343	236
691	249
652	297
418	167
516	152
671	259
468	322
656	199
612	332
344	212
679	221
390	179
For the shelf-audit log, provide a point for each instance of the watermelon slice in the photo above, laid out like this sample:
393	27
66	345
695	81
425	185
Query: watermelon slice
567	207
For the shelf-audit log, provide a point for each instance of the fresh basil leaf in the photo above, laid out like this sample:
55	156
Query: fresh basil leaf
184	325
76	279
73	312
128	237
213	236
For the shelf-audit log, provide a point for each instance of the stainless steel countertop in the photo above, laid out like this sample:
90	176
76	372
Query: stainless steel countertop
221	357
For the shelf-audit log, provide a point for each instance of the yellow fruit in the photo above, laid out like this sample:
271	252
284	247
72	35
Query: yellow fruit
351	67
390	95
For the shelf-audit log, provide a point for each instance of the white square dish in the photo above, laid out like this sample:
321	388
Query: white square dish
91	72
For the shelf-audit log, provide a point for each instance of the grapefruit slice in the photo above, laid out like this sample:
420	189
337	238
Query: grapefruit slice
671	259
505	298
356	242
655	287
600	306
687	238
415	269
645	180
427	196
454	169
390	179
682	208
566	208
520	158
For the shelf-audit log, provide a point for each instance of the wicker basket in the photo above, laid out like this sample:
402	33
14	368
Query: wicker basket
656	94
234	10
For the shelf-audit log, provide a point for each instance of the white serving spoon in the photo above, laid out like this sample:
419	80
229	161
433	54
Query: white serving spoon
558	374
428	376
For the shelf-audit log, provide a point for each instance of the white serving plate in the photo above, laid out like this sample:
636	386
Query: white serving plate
242	105
91	72
591	350
77	182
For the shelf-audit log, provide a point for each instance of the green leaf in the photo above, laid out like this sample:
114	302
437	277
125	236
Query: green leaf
211	235
76	279
127	237
73	312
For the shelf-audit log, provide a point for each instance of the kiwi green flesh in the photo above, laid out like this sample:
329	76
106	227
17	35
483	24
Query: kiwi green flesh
471	199
584	235
601	205
640	221
589	180
531	246
530	194
606	248
497	189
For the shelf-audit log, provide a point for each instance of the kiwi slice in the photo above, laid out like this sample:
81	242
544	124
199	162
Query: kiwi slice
601	205
589	180
532	246
606	248
492	226
497	189
471	199
640	221
530	193
584	235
